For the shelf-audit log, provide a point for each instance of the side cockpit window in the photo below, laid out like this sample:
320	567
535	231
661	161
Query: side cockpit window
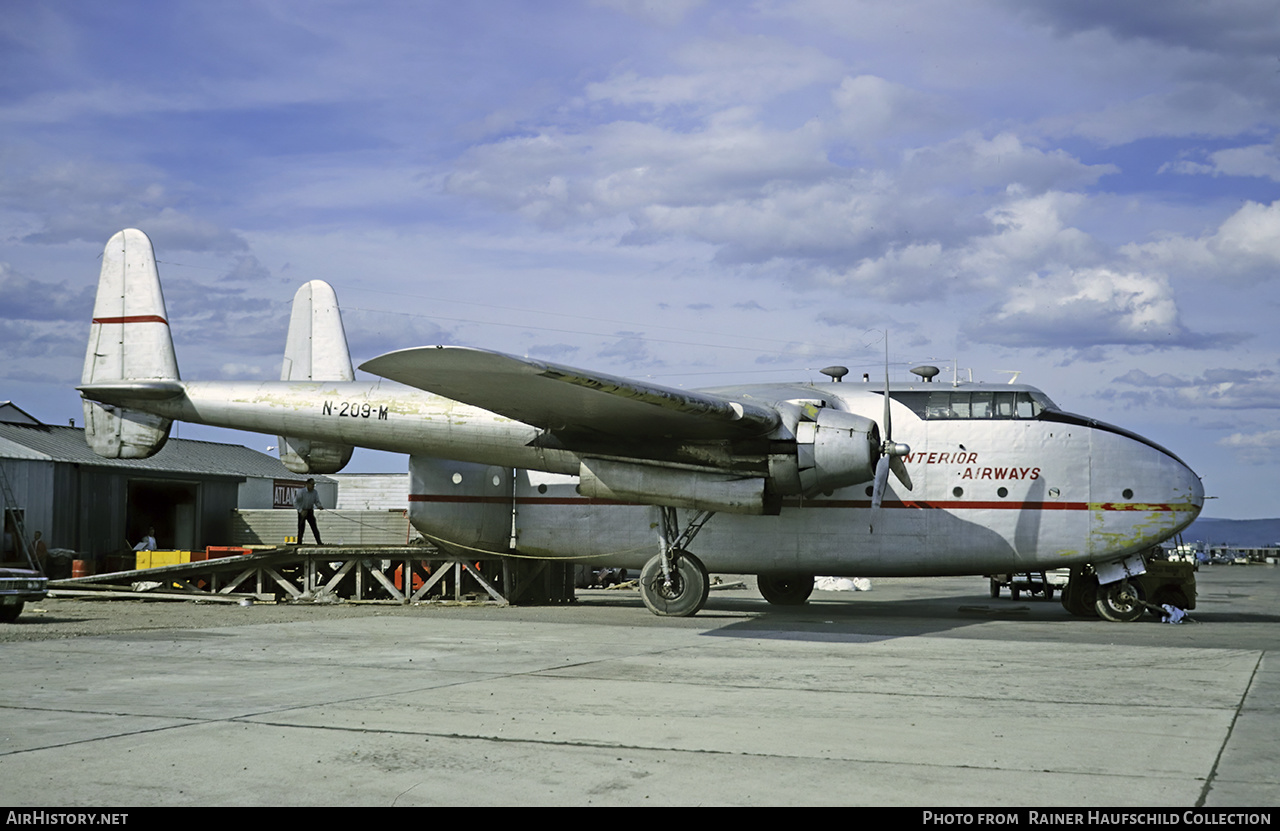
974	404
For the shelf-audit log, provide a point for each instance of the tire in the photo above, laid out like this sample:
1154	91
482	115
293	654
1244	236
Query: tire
995	587
8	614
785	589
689	586
1172	596
1080	594
1120	602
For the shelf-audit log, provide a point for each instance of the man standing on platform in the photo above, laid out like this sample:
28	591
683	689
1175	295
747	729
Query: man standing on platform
307	503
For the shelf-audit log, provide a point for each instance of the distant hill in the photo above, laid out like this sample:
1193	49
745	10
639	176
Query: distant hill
1243	532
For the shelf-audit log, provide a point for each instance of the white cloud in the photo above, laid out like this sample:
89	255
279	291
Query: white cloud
1257	160
1001	162
1087	307
722	73
1189	109
761	196
1221	388
1259	448
1245	249
1030	235
1266	440
870	109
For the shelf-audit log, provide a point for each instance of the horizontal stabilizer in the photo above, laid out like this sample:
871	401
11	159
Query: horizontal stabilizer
124	392
562	398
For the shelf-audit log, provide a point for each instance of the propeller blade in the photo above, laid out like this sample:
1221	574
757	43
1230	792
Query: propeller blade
888	421
877	491
890	453
900	470
882	478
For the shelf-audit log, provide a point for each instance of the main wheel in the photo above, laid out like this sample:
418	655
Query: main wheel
688	590
1080	595
785	589
1120	602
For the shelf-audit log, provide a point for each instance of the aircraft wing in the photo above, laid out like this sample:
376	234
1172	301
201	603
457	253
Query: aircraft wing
564	399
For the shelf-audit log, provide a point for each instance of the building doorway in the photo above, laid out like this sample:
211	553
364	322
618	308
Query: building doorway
168	506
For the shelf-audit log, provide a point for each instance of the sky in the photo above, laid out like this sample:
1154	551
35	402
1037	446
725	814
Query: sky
695	193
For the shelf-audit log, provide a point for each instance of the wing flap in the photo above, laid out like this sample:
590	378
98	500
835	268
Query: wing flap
562	398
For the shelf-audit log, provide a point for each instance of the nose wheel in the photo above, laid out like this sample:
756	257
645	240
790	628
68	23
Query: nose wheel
1120	602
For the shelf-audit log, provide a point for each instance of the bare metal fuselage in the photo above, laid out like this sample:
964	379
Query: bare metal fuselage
993	495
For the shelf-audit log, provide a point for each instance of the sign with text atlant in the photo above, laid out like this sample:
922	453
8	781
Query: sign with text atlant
284	491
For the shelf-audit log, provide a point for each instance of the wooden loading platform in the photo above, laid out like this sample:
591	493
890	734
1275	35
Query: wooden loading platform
322	573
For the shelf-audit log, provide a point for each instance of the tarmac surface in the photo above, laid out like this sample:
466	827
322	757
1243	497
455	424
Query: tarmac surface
918	693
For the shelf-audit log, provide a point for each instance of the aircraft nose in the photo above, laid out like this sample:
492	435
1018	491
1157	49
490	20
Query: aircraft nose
1178	496
1188	491
1142	493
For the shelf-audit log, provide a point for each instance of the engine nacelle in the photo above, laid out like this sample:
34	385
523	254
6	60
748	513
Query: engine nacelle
834	449
672	487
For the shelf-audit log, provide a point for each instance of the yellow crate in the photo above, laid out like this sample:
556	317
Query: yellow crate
155	559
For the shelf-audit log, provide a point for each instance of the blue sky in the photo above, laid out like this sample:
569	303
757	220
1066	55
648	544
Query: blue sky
700	193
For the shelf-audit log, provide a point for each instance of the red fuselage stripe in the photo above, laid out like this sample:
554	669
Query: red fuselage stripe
820	503
132	319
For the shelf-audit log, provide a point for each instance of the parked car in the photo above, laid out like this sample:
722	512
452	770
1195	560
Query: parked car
18	586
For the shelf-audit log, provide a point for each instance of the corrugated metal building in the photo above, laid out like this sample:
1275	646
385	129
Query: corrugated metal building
99	507
373	491
371	509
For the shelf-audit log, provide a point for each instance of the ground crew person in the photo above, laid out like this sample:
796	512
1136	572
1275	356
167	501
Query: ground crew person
307	503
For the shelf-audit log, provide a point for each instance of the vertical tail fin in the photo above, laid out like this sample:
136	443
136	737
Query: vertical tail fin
129	340
315	350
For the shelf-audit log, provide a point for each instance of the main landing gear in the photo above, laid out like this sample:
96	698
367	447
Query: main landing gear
675	583
785	589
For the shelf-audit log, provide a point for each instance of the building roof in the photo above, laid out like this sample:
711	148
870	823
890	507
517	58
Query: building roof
206	458
11	413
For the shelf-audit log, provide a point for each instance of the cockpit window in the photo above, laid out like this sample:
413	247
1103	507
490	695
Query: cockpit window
974	404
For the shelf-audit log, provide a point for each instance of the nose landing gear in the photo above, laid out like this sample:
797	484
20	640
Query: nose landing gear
1120	602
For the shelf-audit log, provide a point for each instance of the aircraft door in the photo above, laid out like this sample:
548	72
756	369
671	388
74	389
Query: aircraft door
462	506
